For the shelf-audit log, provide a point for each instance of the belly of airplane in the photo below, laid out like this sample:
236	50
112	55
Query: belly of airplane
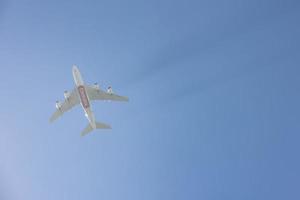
83	97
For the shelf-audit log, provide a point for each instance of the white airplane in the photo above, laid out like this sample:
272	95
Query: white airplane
83	94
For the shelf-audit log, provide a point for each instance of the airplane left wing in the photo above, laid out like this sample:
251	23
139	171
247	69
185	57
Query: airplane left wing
98	94
68	104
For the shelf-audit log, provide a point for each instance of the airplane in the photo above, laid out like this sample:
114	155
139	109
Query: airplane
83	94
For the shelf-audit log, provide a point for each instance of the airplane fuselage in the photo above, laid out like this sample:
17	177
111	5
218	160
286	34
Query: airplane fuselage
84	99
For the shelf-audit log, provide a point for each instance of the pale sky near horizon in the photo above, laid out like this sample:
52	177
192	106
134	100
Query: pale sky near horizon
214	99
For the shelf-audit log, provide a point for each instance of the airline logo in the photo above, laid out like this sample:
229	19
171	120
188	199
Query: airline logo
84	99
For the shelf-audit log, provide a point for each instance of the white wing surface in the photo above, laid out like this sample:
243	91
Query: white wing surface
98	94
68	104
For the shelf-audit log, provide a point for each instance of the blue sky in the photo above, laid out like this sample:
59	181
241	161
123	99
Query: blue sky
214	99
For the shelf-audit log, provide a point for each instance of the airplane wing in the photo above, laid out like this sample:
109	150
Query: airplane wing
98	94
68	104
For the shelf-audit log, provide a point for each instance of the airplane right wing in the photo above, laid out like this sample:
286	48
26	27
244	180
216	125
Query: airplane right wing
98	94
68	104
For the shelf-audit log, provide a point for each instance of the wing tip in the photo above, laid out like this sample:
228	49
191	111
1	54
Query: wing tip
125	99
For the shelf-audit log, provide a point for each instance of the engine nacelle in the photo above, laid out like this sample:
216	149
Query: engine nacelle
66	95
109	90
58	105
96	86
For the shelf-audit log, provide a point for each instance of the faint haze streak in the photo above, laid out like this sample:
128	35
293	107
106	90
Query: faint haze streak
196	43
287	52
250	71
257	61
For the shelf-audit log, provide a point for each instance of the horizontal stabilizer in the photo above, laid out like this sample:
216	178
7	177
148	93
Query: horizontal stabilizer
99	125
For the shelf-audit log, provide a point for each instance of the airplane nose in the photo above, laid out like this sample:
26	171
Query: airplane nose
75	68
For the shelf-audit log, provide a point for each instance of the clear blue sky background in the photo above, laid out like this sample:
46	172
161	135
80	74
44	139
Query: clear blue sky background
214	99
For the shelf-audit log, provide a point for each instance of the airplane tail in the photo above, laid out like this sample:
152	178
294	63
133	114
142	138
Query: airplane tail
99	125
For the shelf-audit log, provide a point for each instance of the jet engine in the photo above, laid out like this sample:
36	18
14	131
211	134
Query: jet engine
109	90
58	105
96	86
67	95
